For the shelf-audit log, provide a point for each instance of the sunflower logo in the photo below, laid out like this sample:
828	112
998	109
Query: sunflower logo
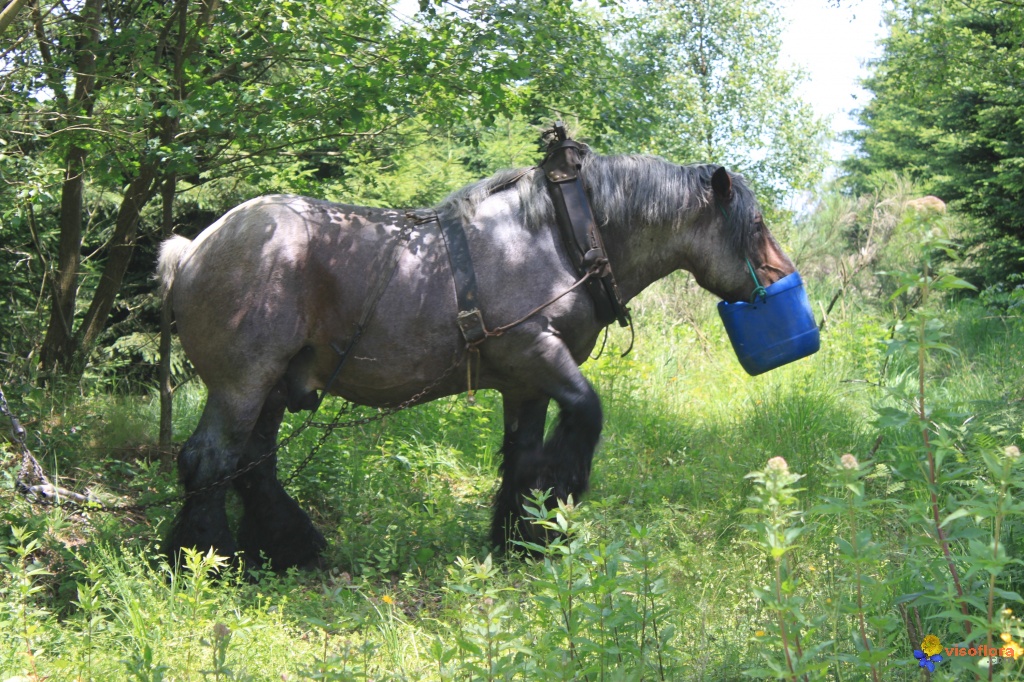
928	655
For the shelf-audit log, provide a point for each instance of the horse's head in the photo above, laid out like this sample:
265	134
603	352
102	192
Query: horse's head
733	240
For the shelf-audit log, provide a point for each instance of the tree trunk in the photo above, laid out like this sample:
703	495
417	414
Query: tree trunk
9	14
58	349
58	344
166	388
139	192
122	244
167	194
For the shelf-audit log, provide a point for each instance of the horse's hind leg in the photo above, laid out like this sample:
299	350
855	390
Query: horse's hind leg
274	527
524	441
205	462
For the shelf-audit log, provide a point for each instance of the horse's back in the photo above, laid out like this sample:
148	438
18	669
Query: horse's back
249	235
279	273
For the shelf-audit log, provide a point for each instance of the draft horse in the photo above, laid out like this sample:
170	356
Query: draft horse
265	297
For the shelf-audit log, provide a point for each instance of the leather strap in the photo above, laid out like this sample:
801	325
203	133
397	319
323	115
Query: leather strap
578	227
470	319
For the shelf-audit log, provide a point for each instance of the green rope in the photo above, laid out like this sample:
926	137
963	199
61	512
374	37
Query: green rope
758	289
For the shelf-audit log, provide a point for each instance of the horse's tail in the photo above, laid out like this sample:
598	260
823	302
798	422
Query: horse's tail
171	252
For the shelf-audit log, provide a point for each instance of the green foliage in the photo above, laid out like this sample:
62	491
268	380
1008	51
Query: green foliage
942	557
855	516
597	610
25	621
946	110
709	88
777	528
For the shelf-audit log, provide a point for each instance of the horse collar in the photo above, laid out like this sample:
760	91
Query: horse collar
578	228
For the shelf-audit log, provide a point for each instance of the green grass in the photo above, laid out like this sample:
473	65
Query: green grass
659	567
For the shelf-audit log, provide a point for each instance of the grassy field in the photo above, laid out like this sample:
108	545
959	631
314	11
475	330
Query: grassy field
676	566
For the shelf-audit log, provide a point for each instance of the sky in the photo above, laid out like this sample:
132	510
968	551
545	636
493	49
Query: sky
831	44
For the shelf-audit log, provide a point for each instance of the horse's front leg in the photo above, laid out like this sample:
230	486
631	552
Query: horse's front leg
562	464
524	441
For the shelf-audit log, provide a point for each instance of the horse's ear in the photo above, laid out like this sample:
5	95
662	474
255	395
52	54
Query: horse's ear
721	183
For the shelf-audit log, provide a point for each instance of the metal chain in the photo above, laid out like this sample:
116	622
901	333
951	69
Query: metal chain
50	494
329	427
18	436
83	502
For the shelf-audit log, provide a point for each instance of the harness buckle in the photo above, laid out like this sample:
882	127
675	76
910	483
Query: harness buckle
471	323
595	261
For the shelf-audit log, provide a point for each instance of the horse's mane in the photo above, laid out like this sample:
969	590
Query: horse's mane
633	190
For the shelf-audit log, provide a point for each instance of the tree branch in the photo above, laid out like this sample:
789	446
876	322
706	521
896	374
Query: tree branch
9	14
44	52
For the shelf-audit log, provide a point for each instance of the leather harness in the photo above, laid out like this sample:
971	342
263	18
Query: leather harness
470	319
580	235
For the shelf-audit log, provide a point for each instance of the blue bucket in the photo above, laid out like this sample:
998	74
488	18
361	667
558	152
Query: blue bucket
774	330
